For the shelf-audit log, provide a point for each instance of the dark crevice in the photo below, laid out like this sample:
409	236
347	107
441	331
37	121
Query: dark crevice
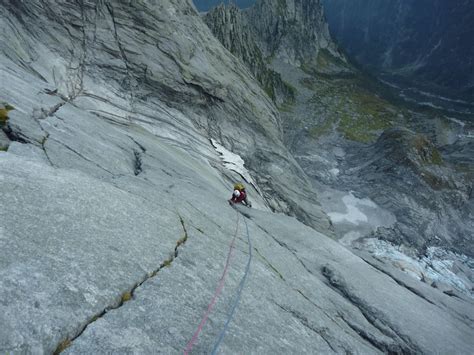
211	220
209	97
128	70
127	295
287	247
322	332
372	340
317	306
45	113
399	282
170	175
332	318
137	165
14	136
43	147
142	148
109	119
77	82
401	344
82	156
451	293
56	108
273	268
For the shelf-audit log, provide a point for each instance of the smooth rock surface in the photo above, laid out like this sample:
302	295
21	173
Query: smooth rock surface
115	225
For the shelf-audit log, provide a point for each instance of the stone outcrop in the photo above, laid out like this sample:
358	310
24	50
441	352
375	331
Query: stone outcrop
294	31
409	177
230	26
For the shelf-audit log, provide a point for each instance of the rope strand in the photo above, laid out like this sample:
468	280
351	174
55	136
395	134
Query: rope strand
238	295
193	340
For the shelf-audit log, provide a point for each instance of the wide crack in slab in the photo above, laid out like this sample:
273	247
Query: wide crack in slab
127	295
399	344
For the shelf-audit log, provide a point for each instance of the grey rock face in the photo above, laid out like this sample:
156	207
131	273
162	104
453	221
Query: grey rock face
159	70
114	226
231	28
4	141
292	30
438	214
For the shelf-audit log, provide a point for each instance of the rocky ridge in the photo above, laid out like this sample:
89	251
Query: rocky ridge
230	27
115	227
294	31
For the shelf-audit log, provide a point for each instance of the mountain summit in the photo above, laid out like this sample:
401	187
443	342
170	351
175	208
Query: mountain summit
292	30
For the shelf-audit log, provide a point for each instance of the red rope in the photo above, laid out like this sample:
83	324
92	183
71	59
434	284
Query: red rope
218	291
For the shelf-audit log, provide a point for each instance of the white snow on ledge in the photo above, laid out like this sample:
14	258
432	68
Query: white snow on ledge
235	163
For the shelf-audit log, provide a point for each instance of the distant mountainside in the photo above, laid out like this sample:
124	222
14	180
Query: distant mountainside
426	40
293	31
205	5
230	26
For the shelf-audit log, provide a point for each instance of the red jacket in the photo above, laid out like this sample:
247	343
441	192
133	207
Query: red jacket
242	197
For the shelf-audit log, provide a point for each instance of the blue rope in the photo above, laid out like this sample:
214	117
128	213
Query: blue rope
237	295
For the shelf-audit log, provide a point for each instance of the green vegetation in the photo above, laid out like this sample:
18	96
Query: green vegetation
371	115
127	296
62	346
166	263
4	110
292	91
321	129
270	91
281	7
326	61
286	107
362	128
427	151
350	106
436	157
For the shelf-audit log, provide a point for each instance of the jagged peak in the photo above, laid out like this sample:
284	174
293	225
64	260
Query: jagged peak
292	30
230	26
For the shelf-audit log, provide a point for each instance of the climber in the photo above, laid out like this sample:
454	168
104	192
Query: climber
4	109
240	195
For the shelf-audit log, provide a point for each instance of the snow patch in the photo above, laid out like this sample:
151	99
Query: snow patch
353	214
442	98
455	120
235	163
334	172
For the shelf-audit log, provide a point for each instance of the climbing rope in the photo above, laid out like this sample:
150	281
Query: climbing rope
236	300
238	294
218	291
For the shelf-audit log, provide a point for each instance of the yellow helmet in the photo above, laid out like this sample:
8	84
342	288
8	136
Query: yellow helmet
239	186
